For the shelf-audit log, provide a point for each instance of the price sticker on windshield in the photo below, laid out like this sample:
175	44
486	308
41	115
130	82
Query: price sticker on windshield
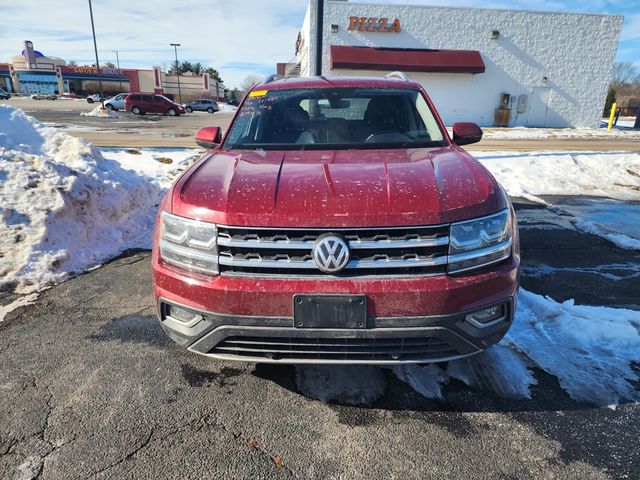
258	93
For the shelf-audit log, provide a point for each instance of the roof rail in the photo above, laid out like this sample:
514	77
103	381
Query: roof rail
398	75
272	78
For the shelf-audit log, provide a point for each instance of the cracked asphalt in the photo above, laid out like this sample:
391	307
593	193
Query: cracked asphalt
90	387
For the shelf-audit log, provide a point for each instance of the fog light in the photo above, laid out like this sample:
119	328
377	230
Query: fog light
487	316
183	315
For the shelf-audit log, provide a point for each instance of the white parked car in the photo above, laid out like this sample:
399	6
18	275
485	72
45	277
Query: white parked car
96	97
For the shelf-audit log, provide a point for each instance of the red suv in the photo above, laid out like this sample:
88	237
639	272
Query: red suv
141	103
336	222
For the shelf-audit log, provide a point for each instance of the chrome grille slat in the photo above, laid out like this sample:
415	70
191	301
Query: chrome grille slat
353	244
418	250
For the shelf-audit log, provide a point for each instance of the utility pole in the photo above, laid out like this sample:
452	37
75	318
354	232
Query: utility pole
118	64
95	48
319	31
175	48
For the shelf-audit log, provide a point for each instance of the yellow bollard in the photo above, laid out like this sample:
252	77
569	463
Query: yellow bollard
612	115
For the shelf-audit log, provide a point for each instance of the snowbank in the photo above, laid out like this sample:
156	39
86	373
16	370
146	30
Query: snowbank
102	113
225	107
530	174
64	208
524	133
589	349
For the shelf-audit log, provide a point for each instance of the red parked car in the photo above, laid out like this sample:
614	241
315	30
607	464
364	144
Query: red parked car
141	103
336	222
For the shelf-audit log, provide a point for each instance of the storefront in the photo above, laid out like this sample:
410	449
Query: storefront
33	72
516	68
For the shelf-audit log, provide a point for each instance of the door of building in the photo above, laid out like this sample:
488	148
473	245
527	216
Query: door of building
538	107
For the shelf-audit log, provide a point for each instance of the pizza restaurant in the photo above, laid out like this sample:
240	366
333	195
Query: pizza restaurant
489	66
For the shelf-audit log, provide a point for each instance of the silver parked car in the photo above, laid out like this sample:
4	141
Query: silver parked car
202	105
117	102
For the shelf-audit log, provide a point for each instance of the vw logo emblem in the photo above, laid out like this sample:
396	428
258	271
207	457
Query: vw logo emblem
330	253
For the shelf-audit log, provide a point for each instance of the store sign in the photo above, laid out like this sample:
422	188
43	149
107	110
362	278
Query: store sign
371	24
94	70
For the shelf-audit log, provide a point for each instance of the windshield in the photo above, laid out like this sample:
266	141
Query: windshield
330	118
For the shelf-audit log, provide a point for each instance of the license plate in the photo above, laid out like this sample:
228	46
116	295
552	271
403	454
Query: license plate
330	311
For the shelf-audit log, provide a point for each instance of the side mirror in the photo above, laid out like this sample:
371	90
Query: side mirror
465	133
209	137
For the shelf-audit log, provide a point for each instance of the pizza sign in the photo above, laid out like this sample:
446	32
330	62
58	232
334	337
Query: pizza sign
373	24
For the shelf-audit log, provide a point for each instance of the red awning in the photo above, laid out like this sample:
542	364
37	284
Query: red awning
409	60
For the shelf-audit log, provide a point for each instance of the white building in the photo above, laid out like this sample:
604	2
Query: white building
555	67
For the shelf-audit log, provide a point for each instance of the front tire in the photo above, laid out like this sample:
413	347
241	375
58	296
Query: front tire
189	109
136	111
110	107
89	100
171	112
210	110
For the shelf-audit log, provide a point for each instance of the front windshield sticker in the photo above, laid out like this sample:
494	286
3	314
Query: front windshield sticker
258	93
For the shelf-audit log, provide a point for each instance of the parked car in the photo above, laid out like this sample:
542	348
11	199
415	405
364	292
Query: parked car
44	96
202	105
336	222
96	97
4	95
141	103
117	102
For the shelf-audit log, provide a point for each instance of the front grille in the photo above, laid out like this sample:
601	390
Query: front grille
373	251
427	348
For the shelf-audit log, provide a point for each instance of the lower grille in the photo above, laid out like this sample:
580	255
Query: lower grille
428	348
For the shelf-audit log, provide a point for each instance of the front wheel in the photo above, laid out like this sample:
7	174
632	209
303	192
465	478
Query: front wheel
136	111
210	110
189	109
110	107
89	100
171	112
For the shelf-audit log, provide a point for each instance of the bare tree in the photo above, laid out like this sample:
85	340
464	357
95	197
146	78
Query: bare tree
249	81
624	73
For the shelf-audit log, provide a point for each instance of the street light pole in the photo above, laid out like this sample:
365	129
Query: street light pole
175	48
119	72
95	48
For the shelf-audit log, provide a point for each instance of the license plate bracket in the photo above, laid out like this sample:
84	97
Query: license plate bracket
330	311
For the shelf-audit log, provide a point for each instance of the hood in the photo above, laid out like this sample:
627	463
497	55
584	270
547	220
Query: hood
337	188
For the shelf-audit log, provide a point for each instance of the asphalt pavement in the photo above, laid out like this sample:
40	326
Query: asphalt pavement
91	387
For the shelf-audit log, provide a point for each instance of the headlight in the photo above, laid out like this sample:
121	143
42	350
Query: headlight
480	242
189	244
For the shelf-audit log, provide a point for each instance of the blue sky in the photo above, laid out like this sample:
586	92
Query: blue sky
238	37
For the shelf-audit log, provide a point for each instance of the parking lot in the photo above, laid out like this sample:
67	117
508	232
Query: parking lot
164	131
92	387
127	131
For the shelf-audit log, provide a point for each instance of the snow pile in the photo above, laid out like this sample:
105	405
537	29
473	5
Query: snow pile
64	208
591	350
530	174
101	112
524	133
225	107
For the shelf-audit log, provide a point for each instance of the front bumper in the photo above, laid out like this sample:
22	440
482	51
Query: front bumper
391	340
409	319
